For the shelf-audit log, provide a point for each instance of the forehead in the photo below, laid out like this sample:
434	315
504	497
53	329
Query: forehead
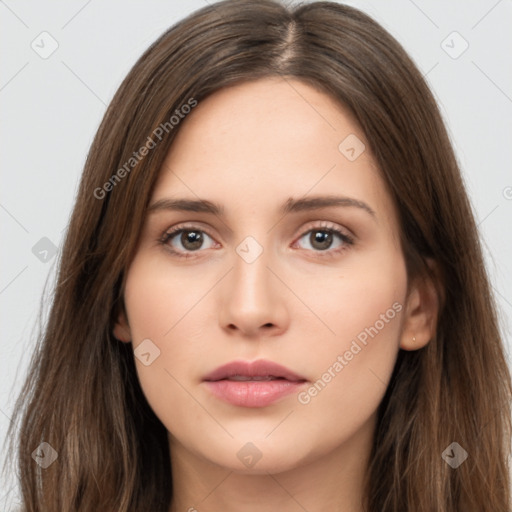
274	114
258	143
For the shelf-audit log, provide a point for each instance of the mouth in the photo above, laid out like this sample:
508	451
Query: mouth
244	378
253	384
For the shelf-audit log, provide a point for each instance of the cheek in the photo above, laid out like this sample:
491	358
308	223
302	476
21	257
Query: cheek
358	299
160	300
353	367
162	308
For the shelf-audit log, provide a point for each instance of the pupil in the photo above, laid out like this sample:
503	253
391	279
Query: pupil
191	240
321	239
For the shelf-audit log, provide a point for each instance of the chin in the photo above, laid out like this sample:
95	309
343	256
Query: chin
258	458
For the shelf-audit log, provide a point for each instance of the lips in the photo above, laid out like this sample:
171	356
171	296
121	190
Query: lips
257	370
253	384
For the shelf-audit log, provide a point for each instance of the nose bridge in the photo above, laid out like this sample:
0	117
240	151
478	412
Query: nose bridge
251	296
250	276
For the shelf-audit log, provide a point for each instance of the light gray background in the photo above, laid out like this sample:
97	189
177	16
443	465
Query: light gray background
52	107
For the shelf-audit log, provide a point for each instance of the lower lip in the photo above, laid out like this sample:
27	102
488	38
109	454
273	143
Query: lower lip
252	393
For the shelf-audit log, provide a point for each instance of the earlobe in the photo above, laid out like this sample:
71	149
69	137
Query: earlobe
421	313
121	329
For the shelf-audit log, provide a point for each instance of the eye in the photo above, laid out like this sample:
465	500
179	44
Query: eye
326	239
183	240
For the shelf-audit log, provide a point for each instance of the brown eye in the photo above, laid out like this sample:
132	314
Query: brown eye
191	240
320	240
186	240
326	240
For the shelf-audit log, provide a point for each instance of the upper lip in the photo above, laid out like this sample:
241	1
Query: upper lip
259	368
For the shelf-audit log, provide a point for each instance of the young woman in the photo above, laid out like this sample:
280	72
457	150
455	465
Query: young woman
271	294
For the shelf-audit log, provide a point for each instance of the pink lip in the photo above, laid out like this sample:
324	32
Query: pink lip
253	393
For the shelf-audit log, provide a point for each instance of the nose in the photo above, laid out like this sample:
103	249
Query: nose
253	299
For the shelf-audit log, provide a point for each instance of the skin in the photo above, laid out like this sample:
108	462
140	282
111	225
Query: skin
250	148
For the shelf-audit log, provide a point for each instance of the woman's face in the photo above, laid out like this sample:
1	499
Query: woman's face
279	273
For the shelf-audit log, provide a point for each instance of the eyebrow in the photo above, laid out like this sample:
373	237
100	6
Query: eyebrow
290	206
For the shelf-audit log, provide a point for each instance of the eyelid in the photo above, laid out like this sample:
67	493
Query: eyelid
173	230
197	225
346	235
324	224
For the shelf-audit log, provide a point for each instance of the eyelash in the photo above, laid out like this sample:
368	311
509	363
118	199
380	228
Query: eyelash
324	227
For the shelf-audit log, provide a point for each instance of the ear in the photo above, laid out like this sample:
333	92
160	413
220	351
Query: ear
121	327
421	311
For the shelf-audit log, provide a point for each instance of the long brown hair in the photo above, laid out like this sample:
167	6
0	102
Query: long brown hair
82	394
